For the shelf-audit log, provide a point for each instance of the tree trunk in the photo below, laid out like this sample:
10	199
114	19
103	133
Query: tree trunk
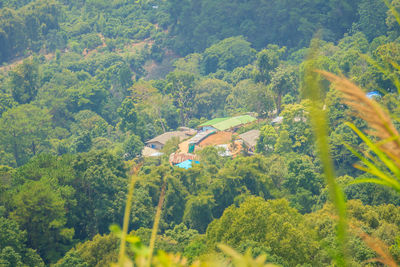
278	104
161	121
33	148
15	150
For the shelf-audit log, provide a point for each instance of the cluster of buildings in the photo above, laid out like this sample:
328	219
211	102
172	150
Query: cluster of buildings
219	132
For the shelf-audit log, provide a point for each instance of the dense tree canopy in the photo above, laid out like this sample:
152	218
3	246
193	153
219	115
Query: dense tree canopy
85	84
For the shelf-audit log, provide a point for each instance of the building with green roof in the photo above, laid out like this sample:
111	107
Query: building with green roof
212	122
223	124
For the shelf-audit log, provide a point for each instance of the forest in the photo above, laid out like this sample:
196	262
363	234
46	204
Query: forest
287	111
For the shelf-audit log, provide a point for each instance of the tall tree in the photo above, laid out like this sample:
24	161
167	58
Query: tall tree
13	250
25	81
248	96
6	102
181	86
267	140
40	210
372	15
23	131
296	123
210	97
267	61
12	35
100	184
227	55
284	80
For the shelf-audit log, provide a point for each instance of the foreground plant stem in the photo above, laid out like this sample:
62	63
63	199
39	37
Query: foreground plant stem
128	206
156	223
320	128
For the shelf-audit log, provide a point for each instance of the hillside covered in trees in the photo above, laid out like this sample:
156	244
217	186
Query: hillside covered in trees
92	89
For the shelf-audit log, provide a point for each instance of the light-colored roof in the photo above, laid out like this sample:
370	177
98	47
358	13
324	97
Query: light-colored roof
223	124
150	152
250	138
165	137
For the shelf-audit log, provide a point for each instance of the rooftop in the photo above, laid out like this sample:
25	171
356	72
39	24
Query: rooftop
250	138
223	124
165	137
212	122
176	158
200	136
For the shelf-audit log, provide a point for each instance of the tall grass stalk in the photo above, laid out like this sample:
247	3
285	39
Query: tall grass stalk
381	249
128	206
156	222
386	146
320	127
393	10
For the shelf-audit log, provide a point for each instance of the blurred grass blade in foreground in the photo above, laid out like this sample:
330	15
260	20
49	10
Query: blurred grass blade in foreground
386	148
312	90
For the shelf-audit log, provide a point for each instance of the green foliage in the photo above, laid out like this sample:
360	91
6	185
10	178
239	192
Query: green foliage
24	82
284	81
372	15
242	176
132	147
181	86
6	102
295	121
12	33
275	228
41	212
250	96
9	258
190	63
13	251
210	97
267	140
267	61
198	212
100	251
320	126
128	115
26	27
23	131
182	235
196	26
88	121
83	142
303	182
283	143
100	186
371	219
228	54
142	209
74	118
342	157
